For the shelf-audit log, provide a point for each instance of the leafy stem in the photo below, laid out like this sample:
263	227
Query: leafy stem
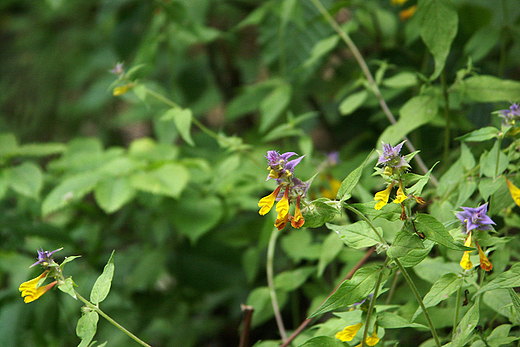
270	282
457	308
108	318
372	303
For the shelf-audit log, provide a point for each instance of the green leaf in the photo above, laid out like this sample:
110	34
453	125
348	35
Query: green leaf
68	260
435	231
272	107
25	179
352	102
320	49
488	186
466	326
489	89
350	182
8	145
516	303
351	291
390	320
507	279
416	112
170	179
68	287
40	149
71	189
441	290
103	283
323	341
480	135
404	242
182	119
466	157
438	27
482	42
260	300
320	211
289	281
357	235
86	328
417	255
330	249
488	162
390	212
401	80
113	192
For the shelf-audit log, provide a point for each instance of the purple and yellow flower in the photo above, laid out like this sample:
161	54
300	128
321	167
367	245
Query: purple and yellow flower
31	290
511	115
484	261
475	218
514	190
45	257
281	169
465	262
390	157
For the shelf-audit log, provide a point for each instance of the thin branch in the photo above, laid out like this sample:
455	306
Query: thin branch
347	277
270	283
246	325
375	89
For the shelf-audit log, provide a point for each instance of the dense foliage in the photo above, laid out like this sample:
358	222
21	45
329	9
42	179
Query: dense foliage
136	135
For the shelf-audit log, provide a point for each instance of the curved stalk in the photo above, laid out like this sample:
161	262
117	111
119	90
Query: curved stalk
270	283
372	303
370	79
108	318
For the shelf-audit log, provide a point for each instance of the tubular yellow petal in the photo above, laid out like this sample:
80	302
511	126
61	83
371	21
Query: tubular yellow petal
465	263
31	292
349	332
282	207
373	339
120	90
515	192
297	221
400	197
281	223
383	197
408	13
267	202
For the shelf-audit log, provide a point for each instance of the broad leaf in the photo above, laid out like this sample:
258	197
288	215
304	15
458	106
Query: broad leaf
182	119
507	279
357	235
86	328
113	192
25	179
404	242
169	179
390	320
353	102
103	283
480	135
441	290
466	326
320	211
435	231
289	281
489	89
350	182
68	287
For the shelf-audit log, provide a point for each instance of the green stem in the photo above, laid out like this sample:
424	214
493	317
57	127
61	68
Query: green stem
108	318
370	79
419	300
498	157
457	308
447	117
270	283
372	303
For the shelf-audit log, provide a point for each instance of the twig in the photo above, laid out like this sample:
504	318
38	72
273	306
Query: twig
347	277
375	89
246	325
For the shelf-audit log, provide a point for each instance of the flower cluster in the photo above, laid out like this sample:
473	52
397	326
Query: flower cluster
289	189
395	165
33	289
511	115
474	219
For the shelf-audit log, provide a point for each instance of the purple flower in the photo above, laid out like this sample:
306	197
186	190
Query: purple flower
44	257
279	165
475	218
390	156
118	69
510	115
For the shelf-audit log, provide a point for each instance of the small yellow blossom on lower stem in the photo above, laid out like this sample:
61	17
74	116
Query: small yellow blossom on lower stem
371	340
515	191
465	263
297	221
382	197
400	197
280	223
349	332
121	90
267	202
31	292
484	261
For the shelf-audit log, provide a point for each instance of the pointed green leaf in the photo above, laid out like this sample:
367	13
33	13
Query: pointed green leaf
68	260
182	119
441	290
289	281
352	102
350	182
480	135
489	89
272	107
466	326
389	320
113	192
25	179
357	235
507	279
435	231
320	211
320	49
404	242
68	287
516	303
438	27
401	80
86	328
351	291
103	283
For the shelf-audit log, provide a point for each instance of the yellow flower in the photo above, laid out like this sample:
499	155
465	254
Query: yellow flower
282	207
349	332
465	263
398	2
267	202
297	221
515	192
408	13
400	194
383	196
31	291
280	223
484	261
333	191
371	340
121	90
